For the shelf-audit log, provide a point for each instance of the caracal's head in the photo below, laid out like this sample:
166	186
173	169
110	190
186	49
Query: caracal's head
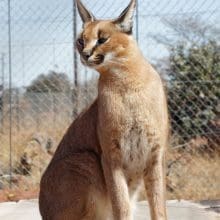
104	42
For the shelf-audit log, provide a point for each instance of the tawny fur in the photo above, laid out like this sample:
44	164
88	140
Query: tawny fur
119	142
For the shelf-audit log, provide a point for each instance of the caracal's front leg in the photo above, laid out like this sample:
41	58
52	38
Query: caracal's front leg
154	179
117	187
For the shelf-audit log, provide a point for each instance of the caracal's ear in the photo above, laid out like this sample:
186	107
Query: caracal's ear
125	20
85	15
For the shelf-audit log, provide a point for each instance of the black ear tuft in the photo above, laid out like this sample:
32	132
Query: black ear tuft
125	20
85	15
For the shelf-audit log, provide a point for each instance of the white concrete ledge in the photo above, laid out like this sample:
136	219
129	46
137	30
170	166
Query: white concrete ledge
177	210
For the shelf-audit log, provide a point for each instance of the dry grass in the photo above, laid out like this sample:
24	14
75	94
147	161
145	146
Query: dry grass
191	175
21	138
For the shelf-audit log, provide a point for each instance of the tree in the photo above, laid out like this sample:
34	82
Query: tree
193	72
53	82
194	87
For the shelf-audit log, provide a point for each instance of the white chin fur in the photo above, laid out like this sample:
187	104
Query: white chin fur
108	57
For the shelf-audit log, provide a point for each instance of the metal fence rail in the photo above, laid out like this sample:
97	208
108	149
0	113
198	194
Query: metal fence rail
43	85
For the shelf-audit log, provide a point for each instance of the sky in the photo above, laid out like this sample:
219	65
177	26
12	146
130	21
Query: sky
42	32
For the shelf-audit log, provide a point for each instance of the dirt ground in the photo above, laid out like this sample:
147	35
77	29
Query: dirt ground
7	195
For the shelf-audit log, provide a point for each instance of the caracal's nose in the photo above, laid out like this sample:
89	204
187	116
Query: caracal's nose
87	54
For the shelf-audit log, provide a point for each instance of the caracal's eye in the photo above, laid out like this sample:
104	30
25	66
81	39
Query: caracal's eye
80	42
102	40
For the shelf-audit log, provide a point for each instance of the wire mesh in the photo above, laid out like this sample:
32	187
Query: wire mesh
43	85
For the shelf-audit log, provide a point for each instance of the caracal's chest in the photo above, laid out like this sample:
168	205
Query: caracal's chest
133	138
128	115
134	147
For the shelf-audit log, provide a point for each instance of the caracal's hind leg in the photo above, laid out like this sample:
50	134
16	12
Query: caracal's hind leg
71	189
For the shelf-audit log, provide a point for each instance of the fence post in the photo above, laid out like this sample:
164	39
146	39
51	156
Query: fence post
137	20
2	91
10	90
75	96
17	106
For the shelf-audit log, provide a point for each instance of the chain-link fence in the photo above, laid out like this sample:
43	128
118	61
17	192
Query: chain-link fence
43	86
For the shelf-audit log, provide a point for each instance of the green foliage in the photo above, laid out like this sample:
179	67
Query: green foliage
194	86
53	82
